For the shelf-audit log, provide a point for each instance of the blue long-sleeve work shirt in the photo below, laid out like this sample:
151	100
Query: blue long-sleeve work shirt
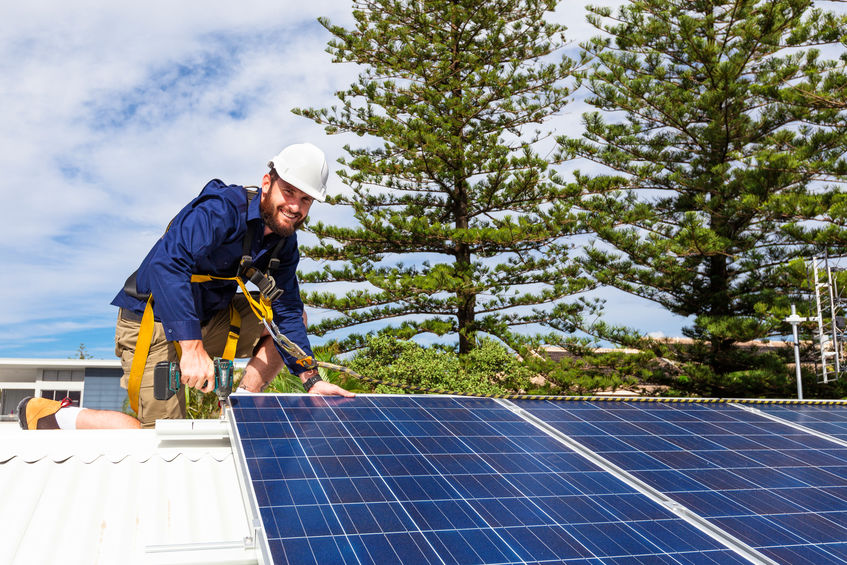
206	237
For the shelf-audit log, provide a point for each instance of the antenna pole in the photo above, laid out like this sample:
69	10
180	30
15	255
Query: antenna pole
836	345
795	320
822	339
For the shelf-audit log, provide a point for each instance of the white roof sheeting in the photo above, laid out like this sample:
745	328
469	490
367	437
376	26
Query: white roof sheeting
121	496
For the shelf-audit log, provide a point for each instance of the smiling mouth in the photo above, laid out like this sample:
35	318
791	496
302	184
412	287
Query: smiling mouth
289	215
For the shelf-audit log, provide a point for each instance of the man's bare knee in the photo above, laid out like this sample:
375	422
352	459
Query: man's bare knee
90	419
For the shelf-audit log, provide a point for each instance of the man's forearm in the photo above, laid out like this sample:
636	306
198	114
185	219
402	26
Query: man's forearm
263	367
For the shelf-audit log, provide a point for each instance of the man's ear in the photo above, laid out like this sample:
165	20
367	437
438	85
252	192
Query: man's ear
266	184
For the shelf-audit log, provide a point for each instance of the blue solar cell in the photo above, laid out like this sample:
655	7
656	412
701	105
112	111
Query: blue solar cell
441	480
472	546
674	460
762	481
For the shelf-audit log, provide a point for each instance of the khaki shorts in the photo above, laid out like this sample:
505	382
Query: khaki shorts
214	335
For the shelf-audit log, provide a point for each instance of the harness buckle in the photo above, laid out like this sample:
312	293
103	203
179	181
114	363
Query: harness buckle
245	265
266	285
274	294
307	362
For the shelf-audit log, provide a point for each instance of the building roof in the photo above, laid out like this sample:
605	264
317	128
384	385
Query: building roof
44	363
18	362
121	496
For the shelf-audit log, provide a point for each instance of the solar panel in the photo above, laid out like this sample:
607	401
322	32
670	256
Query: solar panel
423	479
827	419
776	488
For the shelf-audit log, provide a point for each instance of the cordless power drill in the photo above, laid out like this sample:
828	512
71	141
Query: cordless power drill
166	379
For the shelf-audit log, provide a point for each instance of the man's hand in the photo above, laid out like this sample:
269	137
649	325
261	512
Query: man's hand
322	387
197	368
329	389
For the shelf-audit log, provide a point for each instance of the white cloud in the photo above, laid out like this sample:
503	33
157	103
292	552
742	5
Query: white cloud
114	114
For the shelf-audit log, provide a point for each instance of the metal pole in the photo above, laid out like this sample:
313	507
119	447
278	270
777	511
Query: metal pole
836	346
821	335
794	320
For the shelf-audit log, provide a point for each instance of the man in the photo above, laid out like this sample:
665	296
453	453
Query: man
223	233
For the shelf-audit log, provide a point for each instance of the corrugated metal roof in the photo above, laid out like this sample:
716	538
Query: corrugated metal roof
120	496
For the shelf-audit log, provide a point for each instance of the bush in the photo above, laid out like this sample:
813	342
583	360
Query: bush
488	369
579	370
748	373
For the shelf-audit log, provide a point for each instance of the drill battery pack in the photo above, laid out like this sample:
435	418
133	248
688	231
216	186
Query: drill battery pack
166	379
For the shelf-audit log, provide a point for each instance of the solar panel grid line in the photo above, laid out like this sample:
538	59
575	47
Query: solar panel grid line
642	487
386	484
546	514
831	420
607	525
517	560
323	489
456	493
791	424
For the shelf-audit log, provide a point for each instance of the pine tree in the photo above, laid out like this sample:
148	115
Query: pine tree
459	229
721	144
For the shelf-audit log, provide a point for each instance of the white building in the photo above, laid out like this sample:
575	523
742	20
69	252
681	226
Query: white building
90	383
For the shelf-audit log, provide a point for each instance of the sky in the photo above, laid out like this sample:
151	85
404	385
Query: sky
115	114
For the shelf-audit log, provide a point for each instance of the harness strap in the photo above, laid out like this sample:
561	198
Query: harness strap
261	308
234	332
247	241
139	359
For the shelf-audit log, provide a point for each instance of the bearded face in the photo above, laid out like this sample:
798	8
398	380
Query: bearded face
284	208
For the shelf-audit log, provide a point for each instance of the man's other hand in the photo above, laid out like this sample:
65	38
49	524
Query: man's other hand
328	389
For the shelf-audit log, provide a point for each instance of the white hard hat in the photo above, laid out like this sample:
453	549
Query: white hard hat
304	166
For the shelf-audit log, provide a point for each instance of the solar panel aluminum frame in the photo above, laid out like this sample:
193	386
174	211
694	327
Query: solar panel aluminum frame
248	493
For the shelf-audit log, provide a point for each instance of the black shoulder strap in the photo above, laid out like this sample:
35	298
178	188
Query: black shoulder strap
247	242
273	264
131	288
246	258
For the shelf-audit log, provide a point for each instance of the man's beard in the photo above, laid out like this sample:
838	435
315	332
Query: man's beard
269	217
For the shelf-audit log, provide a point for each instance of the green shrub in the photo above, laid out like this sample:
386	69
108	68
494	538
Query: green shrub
583	372
488	369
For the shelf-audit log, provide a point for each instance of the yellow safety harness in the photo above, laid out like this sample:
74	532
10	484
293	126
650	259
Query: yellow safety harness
261	308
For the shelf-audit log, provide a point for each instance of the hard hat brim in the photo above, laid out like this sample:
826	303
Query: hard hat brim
300	184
